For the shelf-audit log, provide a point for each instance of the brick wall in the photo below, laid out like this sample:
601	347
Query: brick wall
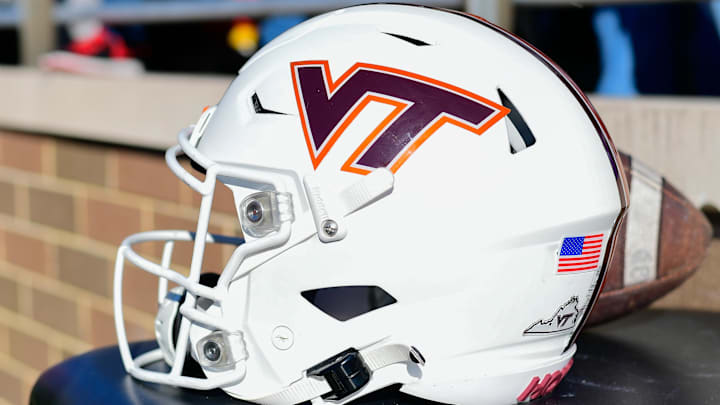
65	206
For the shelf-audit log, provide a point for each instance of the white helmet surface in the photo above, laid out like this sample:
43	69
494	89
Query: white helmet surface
426	200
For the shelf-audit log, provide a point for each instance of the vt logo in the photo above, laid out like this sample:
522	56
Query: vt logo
562	319
421	106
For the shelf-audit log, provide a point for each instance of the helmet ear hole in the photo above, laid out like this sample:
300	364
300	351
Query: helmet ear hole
347	302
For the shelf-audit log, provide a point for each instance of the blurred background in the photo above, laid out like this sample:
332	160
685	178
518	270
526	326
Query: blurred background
93	91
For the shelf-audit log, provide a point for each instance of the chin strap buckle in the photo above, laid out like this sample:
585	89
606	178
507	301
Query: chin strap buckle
345	372
342	374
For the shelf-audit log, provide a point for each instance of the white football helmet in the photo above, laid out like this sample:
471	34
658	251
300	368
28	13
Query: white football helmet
426	200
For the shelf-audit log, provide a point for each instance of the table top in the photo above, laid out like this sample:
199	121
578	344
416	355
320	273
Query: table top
650	357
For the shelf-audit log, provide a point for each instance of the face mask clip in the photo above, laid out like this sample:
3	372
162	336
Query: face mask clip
221	350
262	213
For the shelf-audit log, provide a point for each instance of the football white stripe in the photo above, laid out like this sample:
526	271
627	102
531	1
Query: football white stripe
643	225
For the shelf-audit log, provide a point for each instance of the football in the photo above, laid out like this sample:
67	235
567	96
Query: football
661	243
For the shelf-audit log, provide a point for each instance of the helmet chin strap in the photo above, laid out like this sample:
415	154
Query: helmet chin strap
342	375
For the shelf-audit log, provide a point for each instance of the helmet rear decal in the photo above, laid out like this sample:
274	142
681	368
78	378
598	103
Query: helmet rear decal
538	388
421	106
563	320
580	253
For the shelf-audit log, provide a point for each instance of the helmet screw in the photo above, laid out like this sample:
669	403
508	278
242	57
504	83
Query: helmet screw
330	227
254	211
212	351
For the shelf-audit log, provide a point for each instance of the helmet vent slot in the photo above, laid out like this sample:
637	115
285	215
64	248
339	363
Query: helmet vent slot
414	41
520	136
344	303
259	109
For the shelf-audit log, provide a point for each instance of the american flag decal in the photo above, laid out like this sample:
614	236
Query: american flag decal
580	253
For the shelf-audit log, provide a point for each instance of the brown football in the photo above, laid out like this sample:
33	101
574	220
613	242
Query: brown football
661	243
